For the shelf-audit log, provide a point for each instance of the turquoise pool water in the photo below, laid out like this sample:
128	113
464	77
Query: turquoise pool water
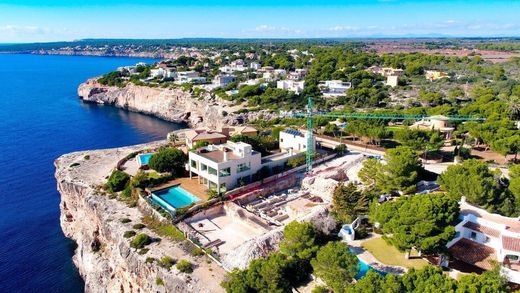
174	198
364	268
143	159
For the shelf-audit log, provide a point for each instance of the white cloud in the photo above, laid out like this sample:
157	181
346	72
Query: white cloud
344	28
28	30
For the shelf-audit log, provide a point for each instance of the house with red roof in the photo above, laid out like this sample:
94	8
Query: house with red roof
483	238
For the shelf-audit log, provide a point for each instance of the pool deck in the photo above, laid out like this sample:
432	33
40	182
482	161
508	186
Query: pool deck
190	185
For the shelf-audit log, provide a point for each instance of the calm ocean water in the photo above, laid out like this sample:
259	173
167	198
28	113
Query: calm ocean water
42	118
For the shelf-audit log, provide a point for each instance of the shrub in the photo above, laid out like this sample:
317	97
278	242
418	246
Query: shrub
184	266
341	149
159	281
195	251
127	192
166	262
117	181
140	241
125	220
74	165
138	226
168	160
86	157
150	260
164	230
295	162
143	251
129	234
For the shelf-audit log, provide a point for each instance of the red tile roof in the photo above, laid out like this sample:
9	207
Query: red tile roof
482	229
511	243
473	253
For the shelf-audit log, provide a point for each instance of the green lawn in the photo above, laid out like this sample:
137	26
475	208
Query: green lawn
389	255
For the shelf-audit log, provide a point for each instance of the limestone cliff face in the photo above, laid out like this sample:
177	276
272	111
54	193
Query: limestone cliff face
173	105
103	256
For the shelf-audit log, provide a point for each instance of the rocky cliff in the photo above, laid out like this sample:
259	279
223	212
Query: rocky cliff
103	256
173	105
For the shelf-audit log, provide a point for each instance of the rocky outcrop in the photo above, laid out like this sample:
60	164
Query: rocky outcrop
173	105
103	256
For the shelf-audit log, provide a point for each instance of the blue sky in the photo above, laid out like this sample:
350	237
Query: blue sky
46	20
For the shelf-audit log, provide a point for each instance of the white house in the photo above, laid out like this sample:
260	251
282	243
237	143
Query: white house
291	85
482	238
223	80
189	77
293	141
237	65
334	88
297	74
224	167
255	65
157	72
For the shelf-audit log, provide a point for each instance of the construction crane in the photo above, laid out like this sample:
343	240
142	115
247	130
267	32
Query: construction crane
309	114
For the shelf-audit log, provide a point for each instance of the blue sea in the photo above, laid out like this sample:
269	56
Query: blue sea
41	118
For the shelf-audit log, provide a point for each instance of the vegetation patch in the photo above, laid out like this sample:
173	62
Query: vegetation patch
140	241
184	266
129	234
166	262
163	230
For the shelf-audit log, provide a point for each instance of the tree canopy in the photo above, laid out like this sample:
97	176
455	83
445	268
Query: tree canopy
472	179
168	159
348	202
335	265
421	221
400	173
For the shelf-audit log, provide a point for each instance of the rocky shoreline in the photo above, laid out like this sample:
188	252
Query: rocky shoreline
103	256
173	105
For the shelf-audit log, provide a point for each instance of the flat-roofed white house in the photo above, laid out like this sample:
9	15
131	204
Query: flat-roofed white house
291	85
483	237
334	88
223	80
226	166
189	77
293	141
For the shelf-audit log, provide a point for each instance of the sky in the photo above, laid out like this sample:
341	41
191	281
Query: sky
66	20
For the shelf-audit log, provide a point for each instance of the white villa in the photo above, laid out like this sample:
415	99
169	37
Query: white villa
189	77
291	85
334	88
223	80
436	122
237	65
293	141
483	237
226	166
392	74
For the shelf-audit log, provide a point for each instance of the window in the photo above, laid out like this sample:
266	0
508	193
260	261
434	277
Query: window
194	164
243	167
473	235
224	172
203	167
513	258
212	171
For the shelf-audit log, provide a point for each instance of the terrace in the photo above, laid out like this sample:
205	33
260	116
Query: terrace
225	227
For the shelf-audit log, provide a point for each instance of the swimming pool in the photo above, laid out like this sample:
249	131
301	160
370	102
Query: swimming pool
143	159
174	197
364	268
